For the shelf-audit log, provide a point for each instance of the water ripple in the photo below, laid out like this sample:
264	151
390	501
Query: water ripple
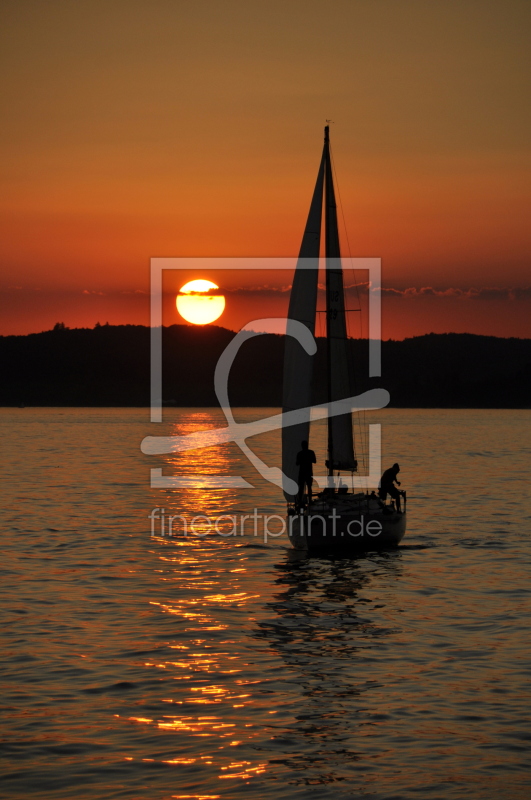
206	667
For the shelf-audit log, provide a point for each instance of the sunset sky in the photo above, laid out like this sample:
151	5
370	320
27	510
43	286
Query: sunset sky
142	128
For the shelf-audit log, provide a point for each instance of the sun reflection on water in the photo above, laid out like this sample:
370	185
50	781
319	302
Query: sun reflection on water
211	671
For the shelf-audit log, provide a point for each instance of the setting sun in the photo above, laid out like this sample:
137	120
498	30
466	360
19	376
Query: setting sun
196	306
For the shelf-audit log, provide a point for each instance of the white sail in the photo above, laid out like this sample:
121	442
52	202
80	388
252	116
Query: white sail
298	364
340	438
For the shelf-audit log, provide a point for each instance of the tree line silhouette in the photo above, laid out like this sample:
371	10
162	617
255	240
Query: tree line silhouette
109	365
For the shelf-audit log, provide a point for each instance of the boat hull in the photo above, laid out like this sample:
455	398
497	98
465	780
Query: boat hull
346	527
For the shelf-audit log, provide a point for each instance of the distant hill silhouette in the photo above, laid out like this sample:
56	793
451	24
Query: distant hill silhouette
109	366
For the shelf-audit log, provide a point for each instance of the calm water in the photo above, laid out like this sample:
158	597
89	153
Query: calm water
217	667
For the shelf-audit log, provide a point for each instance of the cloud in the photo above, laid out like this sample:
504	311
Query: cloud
411	293
261	291
522	293
485	293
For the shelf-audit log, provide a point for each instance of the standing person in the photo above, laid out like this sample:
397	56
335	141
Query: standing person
305	459
387	485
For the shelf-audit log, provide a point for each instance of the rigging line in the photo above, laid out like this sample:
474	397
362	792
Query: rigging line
364	439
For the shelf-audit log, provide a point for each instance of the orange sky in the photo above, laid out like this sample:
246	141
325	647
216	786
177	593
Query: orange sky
135	129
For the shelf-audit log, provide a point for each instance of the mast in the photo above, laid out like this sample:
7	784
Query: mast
340	438
330	440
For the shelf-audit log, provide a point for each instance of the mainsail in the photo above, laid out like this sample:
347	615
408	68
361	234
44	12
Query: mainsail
298	364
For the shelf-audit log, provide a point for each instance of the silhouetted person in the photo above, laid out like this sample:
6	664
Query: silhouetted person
305	459
387	485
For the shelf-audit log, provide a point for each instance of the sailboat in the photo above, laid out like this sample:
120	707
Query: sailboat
336	519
